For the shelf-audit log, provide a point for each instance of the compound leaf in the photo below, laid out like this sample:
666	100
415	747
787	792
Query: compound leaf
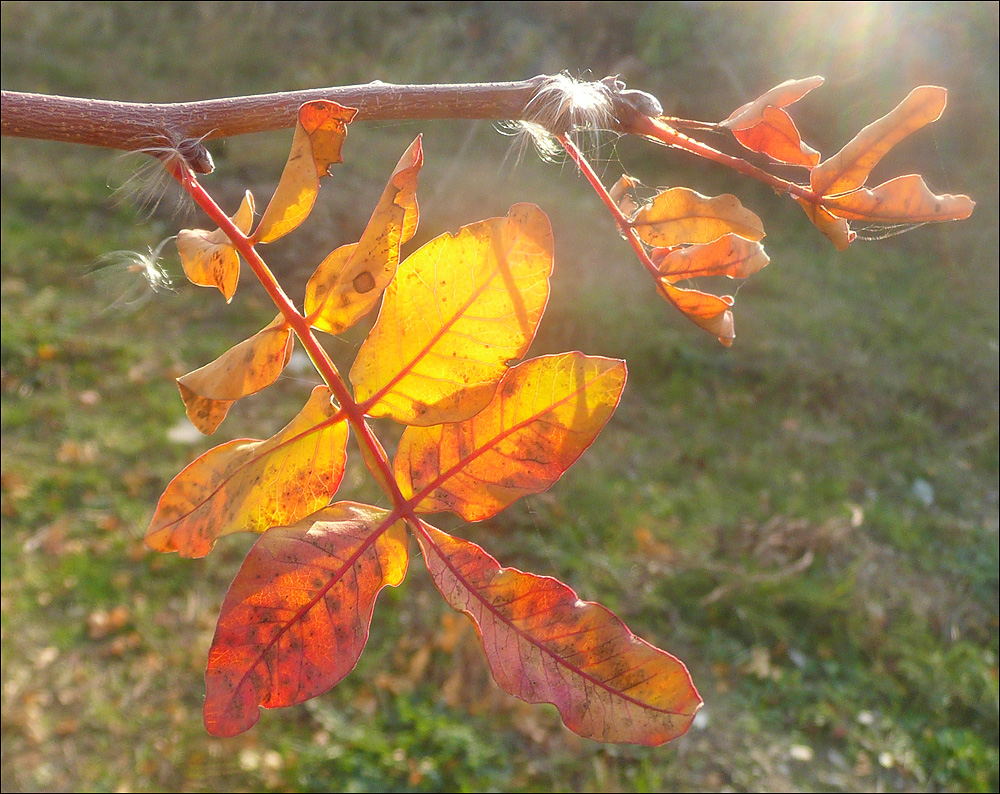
319	136
250	366
545	645
459	309
209	258
349	282
681	215
251	486
544	414
296	618
849	168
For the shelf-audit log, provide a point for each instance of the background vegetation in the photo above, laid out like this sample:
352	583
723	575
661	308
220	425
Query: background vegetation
809	519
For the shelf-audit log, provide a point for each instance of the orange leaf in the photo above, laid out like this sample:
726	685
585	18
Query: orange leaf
250	486
458	310
545	645
850	167
545	413
780	96
730	256
680	215
319	136
296	618
250	366
705	310
777	136
209	259
905	199
350	281
836	229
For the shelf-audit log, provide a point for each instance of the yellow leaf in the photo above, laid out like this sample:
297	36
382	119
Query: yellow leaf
850	167
250	366
251	486
544	414
458	311
319	136
350	281
209	259
680	215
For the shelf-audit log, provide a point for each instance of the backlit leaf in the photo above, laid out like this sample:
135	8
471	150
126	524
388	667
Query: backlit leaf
244	369
458	310
250	486
836	229
544	414
680	215
707	311
319	136
545	645
777	136
296	618
850	167
209	259
350	281
780	96
730	256
905	199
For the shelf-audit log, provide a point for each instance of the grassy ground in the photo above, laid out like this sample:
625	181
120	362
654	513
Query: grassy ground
809	519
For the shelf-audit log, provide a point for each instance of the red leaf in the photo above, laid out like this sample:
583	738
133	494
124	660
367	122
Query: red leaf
777	136
545	645
296	618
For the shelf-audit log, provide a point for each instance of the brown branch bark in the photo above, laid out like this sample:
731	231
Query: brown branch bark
132	125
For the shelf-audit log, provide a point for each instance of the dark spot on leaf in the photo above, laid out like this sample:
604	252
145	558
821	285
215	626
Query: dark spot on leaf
364	282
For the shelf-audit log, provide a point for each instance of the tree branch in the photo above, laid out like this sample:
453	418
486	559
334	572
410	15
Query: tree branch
135	125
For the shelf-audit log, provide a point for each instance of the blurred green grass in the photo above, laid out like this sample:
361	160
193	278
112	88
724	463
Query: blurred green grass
809	519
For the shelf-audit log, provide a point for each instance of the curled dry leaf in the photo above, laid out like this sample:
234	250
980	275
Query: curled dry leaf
544	415
319	137
545	645
350	281
849	168
681	215
250	366
209	258
296	618
707	311
782	95
459	309
251	486
905	199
